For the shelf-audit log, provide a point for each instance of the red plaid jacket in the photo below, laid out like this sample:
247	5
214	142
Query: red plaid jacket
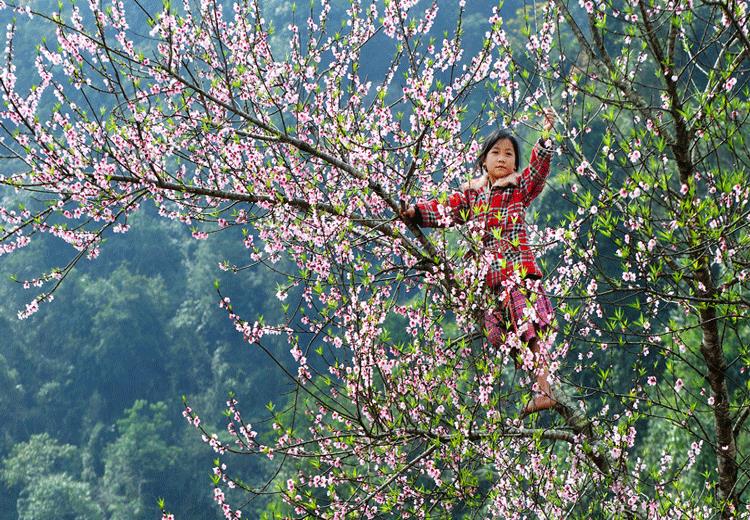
503	210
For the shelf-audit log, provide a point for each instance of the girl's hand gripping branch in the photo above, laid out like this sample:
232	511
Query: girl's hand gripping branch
549	121
409	213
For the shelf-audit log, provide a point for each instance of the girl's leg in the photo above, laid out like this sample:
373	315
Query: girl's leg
543	400
495	328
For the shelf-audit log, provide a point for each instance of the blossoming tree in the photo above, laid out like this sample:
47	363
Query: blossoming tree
312	137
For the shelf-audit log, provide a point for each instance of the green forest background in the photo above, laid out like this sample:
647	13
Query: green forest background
91	386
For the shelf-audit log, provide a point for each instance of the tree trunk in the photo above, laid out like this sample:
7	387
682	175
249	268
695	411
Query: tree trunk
713	354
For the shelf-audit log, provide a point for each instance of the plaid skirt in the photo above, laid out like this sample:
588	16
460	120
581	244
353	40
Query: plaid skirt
524	310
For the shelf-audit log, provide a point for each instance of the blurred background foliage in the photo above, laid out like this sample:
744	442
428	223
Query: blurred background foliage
91	386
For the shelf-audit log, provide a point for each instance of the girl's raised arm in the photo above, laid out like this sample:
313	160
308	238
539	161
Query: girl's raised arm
535	174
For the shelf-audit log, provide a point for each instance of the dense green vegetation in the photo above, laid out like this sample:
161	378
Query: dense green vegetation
91	385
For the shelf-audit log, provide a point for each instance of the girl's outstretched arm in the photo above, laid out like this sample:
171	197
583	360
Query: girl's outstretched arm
535	174
435	213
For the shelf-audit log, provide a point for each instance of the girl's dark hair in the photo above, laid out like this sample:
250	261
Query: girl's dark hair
494	137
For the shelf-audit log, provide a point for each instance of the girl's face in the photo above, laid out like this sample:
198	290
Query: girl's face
500	160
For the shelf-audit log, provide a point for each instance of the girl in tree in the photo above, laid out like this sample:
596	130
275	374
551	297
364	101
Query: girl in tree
499	197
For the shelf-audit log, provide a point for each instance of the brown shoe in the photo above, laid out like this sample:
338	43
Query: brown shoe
539	403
